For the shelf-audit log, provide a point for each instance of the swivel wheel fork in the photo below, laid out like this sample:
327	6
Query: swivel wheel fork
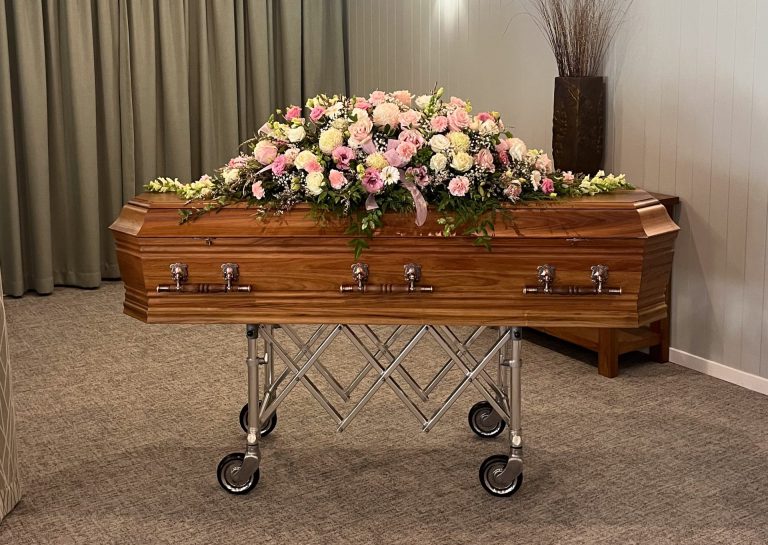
238	473
502	474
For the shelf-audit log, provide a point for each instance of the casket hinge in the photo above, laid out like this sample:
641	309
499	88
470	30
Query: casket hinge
545	275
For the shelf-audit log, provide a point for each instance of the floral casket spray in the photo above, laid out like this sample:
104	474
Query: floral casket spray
420	176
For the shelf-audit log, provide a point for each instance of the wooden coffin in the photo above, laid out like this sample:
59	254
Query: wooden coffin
294	268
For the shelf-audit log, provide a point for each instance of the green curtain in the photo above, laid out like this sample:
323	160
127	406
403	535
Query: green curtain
99	96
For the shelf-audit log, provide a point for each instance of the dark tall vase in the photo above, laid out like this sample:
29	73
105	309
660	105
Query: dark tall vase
578	124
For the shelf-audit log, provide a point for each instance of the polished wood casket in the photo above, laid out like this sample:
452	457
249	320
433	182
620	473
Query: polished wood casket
541	270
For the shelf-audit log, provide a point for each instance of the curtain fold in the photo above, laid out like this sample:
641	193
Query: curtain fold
100	96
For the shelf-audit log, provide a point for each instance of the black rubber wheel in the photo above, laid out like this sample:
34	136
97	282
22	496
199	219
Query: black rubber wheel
490	470
228	464
481	421
266	427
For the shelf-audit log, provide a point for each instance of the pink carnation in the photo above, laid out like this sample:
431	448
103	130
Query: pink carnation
313	166
414	137
342	156
292	113
290	156
484	160
406	150
279	164
409	118
403	96
377	97
372	181
362	103
439	123
240	161
257	190
547	186
484	116
337	179
458	186
316	113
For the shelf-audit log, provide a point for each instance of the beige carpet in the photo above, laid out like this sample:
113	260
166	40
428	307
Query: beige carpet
121	426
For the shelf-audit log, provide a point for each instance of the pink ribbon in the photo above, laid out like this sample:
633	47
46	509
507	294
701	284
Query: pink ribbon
370	202
418	201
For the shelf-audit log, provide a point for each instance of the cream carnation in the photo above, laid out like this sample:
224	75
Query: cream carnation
315	182
377	161
462	161
385	114
459	141
329	140
439	143
438	162
489	128
231	174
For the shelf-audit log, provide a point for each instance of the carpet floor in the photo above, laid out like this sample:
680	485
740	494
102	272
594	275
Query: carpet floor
121	426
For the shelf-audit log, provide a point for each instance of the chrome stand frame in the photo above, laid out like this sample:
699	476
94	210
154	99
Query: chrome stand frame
503	394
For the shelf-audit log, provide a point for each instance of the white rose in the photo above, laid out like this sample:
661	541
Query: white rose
462	161
489	127
303	158
517	148
315	182
423	101
439	143
438	162
296	134
231	174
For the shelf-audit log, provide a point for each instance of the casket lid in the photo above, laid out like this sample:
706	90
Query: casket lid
621	214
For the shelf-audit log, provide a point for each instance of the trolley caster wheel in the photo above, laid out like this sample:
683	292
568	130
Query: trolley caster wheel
490	472
229	464
484	421
266	427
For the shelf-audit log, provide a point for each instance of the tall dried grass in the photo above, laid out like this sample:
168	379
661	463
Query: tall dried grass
580	31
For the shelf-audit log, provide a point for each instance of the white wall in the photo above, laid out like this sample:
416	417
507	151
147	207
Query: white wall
688	115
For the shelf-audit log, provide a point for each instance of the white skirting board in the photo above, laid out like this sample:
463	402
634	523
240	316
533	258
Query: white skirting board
718	370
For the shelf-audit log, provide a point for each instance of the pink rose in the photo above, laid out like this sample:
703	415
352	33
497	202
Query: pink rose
337	179
458	186
406	150
404	97
544	163
439	123
316	113
360	132
292	113
484	116
568	177
385	114
547	186
290	156
394	158
484	160
414	137
456	101
377	97
342	156
409	118
279	164
257	190
362	103
372	181
313	166
503	159
458	119
265	152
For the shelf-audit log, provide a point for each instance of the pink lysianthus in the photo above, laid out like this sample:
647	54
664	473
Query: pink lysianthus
337	179
342	156
279	164
372	181
547	186
316	113
439	123
257	190
292	113
458	186
414	137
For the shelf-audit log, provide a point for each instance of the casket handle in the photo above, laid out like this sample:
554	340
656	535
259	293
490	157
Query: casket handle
411	275
180	274
545	275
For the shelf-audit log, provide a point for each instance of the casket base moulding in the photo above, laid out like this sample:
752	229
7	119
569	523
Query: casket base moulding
293	268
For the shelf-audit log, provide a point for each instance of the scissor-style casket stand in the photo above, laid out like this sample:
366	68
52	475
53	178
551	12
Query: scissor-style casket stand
598	261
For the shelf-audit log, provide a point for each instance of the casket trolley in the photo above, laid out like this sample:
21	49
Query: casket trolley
600	261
